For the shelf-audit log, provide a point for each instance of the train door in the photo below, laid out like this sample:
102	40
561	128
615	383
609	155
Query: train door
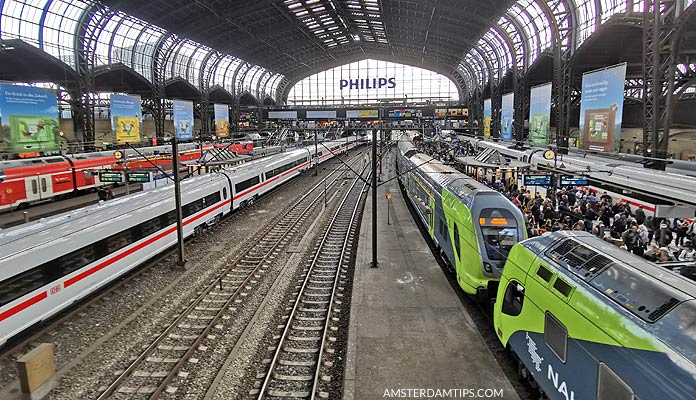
38	187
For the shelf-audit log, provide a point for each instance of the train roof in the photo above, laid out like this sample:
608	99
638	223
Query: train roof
655	298
665	187
599	255
26	162
456	182
33	233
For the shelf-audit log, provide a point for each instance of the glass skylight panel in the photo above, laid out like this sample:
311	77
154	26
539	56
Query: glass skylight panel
517	39
586	19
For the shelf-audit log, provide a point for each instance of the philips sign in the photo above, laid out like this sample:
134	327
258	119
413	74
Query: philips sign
374	83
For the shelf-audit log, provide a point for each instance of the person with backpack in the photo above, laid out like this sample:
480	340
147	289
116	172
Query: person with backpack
681	227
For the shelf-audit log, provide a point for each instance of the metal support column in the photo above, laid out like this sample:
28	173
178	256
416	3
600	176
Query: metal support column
316	154
374	199
659	69
181	261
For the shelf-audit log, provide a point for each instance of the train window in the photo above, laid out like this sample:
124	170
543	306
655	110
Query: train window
77	259
149	227
34	187
118	241
224	193
246	184
443	229
544	273
457	242
611	387
513	299
43	184
556	336
193	207
212	198
499	230
169	218
563	287
19	285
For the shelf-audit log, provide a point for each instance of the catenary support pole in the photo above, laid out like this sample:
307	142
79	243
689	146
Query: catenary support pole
374	198
181	262
316	154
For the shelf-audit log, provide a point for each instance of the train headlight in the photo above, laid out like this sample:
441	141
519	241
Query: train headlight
488	267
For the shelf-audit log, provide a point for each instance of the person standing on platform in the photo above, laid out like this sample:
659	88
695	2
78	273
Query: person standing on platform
101	192
640	215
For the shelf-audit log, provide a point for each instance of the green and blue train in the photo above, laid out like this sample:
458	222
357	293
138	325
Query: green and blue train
588	320
473	226
584	318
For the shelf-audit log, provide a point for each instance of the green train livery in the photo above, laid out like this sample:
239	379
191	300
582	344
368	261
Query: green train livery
587	320
474	226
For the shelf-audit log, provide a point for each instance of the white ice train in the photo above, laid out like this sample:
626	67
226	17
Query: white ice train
49	264
625	181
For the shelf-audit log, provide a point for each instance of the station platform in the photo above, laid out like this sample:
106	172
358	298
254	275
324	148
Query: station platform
408	329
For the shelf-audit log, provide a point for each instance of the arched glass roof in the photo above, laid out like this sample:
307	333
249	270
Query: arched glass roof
54	25
368	81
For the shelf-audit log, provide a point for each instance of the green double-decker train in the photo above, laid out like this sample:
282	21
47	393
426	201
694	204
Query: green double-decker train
474	226
588	320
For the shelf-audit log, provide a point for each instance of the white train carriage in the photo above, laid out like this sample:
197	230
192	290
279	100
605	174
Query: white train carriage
49	264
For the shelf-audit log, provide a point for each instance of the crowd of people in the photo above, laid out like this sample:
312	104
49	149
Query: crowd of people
632	228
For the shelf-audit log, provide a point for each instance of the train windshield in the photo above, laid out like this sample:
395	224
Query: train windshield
499	230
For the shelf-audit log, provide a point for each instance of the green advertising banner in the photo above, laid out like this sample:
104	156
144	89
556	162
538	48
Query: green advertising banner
29	120
540	114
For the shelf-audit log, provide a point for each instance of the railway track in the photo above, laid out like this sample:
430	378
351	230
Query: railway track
296	368
149	374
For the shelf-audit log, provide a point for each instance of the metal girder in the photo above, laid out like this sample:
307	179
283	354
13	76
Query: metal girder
659	71
560	14
518	83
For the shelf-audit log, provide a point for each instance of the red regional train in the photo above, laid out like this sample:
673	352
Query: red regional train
32	180
239	148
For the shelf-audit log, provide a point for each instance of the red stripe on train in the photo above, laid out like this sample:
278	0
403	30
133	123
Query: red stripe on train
41	296
259	186
23	305
139	246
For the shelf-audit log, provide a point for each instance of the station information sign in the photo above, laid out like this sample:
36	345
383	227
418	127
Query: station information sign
116	177
138	177
573	181
537	180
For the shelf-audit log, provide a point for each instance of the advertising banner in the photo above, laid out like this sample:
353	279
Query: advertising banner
282	115
405	113
540	114
487	118
28	119
330	114
458	112
601	108
183	118
126	117
352	114
507	116
222	120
